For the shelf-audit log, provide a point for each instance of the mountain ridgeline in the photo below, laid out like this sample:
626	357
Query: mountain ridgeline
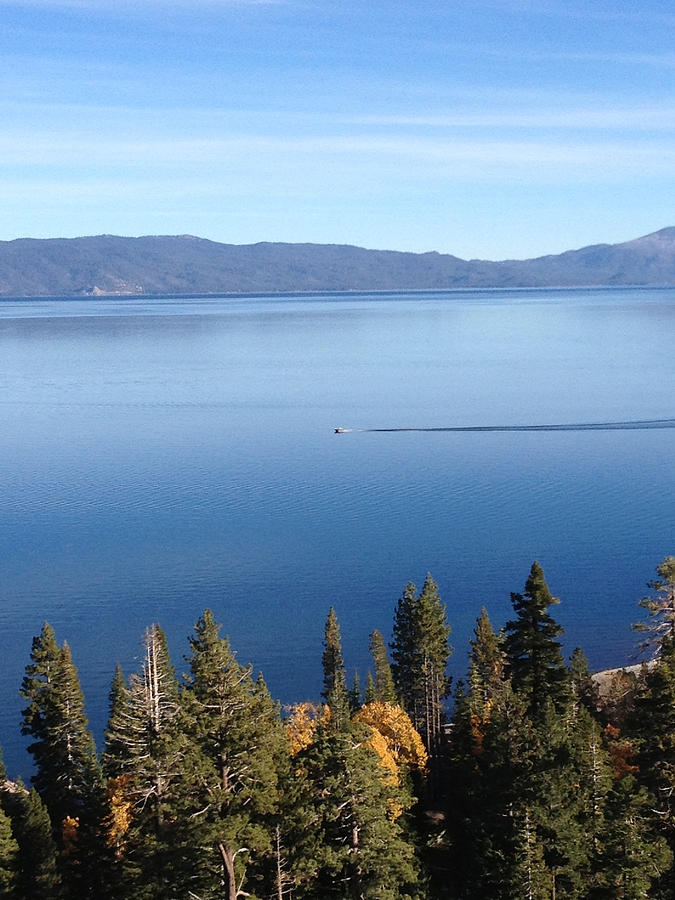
106	264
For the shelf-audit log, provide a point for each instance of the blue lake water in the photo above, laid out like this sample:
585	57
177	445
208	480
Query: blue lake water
161	456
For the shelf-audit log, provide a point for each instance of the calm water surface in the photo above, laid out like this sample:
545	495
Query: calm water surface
161	456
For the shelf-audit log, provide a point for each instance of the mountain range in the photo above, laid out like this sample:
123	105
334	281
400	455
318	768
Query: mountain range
183	264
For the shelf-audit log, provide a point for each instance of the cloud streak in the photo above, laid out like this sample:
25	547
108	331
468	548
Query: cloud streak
130	6
615	118
443	157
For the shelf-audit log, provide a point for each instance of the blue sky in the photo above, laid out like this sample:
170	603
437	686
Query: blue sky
490	129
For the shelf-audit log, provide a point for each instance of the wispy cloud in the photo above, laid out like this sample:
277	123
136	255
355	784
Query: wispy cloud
126	6
445	157
552	112
620	118
582	11
628	58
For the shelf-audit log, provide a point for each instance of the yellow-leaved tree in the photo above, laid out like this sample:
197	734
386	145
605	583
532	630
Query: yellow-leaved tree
301	723
403	742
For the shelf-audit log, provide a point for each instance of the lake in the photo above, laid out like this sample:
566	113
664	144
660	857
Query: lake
159	456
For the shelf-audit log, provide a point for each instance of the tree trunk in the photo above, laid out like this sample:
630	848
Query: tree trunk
228	865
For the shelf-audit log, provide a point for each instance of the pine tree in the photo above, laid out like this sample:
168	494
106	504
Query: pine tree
502	803
561	788
635	861
462	792
405	652
593	782
661	607
584	691
355	693
528	875
534	656
9	848
486	671
384	682
241	751
67	776
345	844
115	750
655	721
334	684
420	651
38	876
371	691
65	756
145	759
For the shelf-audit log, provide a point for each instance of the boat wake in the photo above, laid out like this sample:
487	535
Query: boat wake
634	425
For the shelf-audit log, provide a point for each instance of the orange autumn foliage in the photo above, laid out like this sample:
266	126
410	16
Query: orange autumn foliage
301	724
119	817
620	751
69	828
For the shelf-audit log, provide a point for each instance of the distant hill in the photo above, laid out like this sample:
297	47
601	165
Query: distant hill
106	264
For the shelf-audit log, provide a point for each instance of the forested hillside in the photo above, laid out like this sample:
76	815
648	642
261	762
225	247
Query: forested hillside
107	264
537	787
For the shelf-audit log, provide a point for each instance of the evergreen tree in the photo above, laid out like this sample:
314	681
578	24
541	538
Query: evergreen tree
384	682
355	693
534	656
145	759
334	684
635	861
9	863
660	606
502	802
655	721
462	792
472	712
405	652
420	651
584	691
234	783
486	669
9	849
592	784
67	772
345	843
371	691
115	750
67	776
528	875
38	876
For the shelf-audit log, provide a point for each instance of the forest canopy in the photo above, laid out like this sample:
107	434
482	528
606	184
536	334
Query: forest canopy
538	784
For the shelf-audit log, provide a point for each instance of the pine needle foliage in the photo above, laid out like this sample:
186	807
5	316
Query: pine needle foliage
67	771
420	652
660	605
385	691
241	753
335	691
535	660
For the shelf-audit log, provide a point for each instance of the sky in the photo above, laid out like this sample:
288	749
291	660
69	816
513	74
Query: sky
488	129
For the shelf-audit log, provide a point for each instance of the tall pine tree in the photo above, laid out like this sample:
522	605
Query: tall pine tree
345	842
146	757
420	651
384	682
38	876
241	752
660	605
534	655
335	691
67	773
